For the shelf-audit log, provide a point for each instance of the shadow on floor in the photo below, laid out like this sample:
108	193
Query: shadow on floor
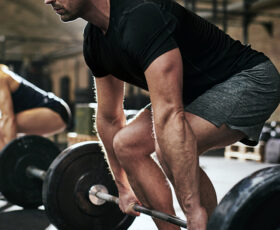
23	220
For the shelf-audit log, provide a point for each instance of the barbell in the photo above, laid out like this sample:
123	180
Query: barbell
32	155
77	180
73	174
24	166
98	195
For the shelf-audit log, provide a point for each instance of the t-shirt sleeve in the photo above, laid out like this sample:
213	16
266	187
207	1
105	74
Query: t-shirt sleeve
147	34
90	53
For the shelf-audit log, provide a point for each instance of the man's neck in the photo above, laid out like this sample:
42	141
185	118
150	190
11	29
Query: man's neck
98	13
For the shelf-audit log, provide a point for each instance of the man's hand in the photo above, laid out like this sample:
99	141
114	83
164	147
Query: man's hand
127	200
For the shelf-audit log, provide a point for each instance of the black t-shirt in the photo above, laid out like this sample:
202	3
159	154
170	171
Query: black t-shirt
142	30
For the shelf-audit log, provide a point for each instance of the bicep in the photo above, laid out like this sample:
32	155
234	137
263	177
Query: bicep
165	81
110	93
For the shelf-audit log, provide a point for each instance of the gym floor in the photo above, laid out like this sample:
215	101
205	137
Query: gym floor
224	173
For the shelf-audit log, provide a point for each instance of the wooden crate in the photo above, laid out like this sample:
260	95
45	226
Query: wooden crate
73	138
244	152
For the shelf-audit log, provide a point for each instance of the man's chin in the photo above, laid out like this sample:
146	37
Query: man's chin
65	18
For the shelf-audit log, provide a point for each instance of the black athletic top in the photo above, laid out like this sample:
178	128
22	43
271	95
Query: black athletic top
141	30
29	96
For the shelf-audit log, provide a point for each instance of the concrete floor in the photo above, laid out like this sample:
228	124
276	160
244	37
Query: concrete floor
224	173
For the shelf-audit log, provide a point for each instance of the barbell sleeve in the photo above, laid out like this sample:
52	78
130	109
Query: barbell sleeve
154	213
35	172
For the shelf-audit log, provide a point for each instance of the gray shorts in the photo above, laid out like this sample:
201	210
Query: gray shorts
243	102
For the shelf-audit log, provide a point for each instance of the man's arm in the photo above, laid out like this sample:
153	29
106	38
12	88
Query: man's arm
110	119
173	132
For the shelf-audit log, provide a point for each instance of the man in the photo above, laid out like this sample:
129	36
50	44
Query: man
207	91
26	109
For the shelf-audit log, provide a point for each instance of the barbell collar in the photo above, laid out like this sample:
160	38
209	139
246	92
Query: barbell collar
33	171
154	213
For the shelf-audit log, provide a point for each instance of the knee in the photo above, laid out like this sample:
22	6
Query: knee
130	149
61	125
122	146
58	124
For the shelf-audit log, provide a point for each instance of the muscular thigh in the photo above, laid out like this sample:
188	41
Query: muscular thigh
39	121
209	136
138	134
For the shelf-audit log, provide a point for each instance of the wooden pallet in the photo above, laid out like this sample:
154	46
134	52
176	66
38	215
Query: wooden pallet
244	152
73	138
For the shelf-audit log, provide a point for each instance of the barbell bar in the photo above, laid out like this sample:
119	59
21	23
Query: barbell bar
96	191
35	172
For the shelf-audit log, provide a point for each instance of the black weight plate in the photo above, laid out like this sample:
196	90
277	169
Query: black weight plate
252	204
15	185
66	187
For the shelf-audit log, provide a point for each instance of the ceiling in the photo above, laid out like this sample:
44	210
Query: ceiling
30	30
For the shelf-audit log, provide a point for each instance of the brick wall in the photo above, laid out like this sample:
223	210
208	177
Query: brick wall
70	67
